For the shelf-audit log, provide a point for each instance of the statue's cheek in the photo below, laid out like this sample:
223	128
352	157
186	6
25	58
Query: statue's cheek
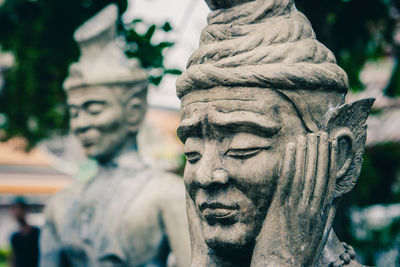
258	171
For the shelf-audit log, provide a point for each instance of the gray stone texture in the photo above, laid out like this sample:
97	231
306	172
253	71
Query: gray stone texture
270	144
128	214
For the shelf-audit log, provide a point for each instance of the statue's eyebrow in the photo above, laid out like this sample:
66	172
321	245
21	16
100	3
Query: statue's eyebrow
93	101
237	121
189	127
247	121
87	103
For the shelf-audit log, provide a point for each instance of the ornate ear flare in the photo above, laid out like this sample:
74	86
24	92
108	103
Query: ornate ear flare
351	117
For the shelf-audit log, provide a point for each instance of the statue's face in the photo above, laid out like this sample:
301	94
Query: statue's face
234	142
98	120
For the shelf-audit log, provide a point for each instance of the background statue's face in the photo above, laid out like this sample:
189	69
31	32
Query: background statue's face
97	118
234	141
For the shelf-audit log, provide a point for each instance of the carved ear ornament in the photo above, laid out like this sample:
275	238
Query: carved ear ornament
340	134
348	122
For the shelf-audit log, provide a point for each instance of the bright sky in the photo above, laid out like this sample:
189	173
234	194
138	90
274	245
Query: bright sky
188	18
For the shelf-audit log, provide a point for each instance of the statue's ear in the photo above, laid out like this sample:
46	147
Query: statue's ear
135	111
347	125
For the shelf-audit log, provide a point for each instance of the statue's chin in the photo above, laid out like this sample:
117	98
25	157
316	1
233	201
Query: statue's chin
228	239
99	156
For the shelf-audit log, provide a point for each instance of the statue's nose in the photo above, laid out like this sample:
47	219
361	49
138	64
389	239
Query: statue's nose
215	177
220	176
210	169
81	123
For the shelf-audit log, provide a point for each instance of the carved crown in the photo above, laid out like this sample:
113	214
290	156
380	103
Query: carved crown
217	4
102	60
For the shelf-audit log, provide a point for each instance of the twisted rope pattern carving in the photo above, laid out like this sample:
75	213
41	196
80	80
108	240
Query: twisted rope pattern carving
262	43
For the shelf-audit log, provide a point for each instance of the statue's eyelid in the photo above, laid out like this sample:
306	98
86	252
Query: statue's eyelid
192	153
89	104
243	153
259	142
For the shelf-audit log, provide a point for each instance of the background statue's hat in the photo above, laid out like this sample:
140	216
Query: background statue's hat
102	60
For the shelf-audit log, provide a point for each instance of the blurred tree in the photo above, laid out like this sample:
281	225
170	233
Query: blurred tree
150	55
39	34
356	31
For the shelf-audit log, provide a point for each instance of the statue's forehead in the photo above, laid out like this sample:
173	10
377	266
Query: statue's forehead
227	100
260	110
82	94
228	93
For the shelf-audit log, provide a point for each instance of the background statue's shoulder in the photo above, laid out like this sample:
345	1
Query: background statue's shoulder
169	186
56	205
159	190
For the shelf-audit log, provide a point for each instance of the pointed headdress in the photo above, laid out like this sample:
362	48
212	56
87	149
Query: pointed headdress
102	60
265	44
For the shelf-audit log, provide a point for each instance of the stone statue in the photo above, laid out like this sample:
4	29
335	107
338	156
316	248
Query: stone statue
128	214
270	145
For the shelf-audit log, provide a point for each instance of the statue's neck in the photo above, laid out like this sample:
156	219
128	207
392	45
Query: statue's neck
129	146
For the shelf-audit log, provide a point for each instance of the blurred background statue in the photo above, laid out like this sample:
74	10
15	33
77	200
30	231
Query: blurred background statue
128	214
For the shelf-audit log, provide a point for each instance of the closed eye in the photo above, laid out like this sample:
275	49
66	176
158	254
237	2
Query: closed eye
193	157
244	153
95	109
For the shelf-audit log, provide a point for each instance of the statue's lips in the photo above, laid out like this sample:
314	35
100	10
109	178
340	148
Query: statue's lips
218	211
87	139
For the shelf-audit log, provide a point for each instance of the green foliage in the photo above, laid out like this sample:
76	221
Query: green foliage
356	31
5	253
150	55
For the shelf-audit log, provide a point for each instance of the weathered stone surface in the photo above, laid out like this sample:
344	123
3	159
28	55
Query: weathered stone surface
271	146
128	214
